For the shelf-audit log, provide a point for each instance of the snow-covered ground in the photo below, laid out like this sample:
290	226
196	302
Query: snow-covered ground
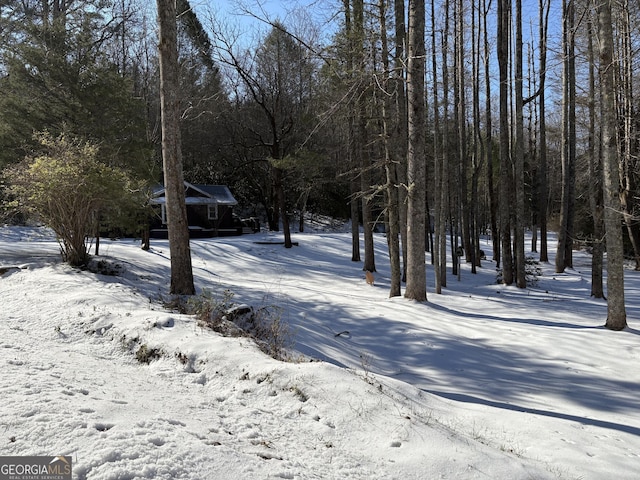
484	381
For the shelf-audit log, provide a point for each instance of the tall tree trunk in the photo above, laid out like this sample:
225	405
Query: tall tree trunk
282	204
401	124
616	313
355	222
416	288
455	160
362	150
439	248
564	257
392	207
629	152
366	196
521	281
354	188
123	39
493	197
595	174
443	184
543	191
181	269
506	172
461	121
478	154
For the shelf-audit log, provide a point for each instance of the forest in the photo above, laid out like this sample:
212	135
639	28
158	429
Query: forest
436	122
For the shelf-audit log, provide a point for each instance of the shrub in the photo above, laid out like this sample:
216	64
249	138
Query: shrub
146	354
271	332
210	310
265	324
67	187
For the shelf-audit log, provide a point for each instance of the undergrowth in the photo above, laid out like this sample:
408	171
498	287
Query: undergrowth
220	313
143	352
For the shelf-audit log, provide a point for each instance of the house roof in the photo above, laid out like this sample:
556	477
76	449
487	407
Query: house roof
198	195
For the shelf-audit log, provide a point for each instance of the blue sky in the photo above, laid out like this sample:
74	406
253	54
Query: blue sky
235	11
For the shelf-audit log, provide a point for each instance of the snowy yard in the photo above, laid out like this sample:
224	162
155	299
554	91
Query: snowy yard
484	381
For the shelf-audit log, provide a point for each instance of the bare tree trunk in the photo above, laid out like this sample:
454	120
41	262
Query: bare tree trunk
302	201
416	288
354	200
521	281
392	207
478	154
439	248
367	215
282	206
493	200
401	124
616	313
564	257
146	237
443	184
543	191
355	222
455	159
461	121
181	269
595	174
97	234
506	173
362	152
629	152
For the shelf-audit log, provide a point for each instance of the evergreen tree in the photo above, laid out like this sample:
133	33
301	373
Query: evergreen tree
58	78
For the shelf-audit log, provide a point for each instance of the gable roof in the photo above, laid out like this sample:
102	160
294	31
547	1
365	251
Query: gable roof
198	195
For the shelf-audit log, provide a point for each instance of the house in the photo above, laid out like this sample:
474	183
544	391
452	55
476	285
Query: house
209	211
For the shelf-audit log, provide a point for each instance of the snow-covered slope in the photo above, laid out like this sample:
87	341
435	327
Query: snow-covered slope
484	381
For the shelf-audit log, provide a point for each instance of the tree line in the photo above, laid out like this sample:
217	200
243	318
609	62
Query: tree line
440	120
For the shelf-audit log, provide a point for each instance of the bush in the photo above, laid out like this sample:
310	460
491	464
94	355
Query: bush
265	324
209	310
271	332
145	354
68	189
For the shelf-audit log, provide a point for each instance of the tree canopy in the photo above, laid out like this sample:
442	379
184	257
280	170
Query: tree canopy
59	77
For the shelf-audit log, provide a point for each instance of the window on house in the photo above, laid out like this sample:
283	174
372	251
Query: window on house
213	211
163	213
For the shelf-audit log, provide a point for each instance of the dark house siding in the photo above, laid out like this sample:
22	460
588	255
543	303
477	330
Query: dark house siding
209	212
